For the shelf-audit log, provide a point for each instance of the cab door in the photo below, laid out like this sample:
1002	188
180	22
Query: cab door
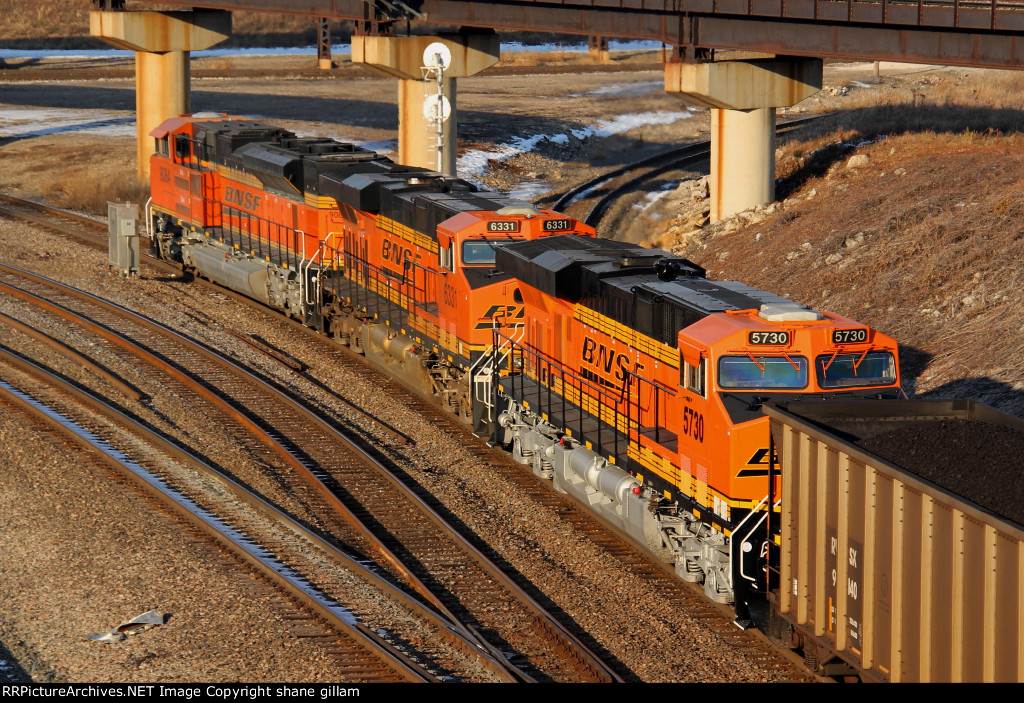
448	304
693	423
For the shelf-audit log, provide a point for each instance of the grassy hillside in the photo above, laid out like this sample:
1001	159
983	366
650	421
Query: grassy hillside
34	24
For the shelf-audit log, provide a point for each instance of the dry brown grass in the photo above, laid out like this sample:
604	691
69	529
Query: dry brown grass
971	106
82	177
78	190
33	22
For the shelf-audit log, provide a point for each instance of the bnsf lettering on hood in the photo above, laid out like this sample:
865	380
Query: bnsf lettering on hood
244	200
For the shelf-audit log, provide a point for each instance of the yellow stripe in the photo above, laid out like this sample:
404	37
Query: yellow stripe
421	325
321	202
239	176
593	406
641	342
406	233
446	340
685	482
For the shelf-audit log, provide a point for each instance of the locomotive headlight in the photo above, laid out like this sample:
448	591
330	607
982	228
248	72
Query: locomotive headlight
515	361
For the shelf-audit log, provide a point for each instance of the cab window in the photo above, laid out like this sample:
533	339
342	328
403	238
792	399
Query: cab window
478	252
756	372
693	377
859	369
182	147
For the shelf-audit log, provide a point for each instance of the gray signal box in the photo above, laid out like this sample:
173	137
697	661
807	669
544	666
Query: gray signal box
123	245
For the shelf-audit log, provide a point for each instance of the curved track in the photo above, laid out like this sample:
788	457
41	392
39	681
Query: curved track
657	577
355	498
91	432
608	187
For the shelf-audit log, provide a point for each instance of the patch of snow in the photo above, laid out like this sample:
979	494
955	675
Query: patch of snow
860	85
18	123
624	123
528	190
473	164
384	146
654	196
626	89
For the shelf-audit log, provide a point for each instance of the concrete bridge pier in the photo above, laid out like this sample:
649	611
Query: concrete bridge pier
161	42
597	47
426	138
743	96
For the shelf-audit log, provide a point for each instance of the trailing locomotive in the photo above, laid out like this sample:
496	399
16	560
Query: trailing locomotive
620	373
397	262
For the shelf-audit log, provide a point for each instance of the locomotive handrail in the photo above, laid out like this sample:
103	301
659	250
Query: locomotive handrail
562	369
492	354
654	382
586	388
656	386
427	271
732	543
149	218
303	272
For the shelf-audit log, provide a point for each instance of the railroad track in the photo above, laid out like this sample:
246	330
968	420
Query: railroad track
330	481
325	590
617	548
78	226
591	200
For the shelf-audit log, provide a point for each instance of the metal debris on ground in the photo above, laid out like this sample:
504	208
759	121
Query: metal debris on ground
132	627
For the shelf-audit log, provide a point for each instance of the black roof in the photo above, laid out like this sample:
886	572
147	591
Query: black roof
649	290
290	165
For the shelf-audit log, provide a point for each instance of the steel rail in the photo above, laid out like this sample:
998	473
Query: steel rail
584	658
247	497
658	163
212	397
72	355
21	202
404	669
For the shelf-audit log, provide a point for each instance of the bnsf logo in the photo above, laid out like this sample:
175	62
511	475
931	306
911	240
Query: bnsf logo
605	359
505	314
241	198
395	253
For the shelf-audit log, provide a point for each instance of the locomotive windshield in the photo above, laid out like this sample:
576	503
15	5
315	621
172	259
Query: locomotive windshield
762	372
478	252
859	369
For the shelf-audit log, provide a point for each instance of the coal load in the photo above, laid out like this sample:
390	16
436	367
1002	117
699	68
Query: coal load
980	461
962	446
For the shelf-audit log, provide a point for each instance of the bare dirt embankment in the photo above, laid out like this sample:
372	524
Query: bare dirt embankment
903	212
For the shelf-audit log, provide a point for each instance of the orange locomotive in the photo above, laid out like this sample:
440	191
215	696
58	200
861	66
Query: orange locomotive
620	373
641	391
396	261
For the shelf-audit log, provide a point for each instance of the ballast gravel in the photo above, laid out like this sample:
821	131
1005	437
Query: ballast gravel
77	557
